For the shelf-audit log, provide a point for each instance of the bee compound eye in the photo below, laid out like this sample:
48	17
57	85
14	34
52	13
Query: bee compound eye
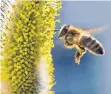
64	31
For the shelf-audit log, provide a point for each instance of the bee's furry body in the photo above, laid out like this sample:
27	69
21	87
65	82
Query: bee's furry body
76	38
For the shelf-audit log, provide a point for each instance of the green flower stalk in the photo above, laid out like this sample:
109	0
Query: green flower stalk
26	65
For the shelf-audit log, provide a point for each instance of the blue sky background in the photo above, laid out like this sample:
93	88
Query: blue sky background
93	75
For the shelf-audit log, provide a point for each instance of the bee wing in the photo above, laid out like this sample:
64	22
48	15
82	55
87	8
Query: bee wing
96	30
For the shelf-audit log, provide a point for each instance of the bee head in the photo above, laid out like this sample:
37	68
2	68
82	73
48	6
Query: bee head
63	31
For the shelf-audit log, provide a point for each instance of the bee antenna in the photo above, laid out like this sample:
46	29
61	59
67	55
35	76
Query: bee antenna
56	29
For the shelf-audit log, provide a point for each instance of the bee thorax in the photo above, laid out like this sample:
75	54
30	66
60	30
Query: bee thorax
71	39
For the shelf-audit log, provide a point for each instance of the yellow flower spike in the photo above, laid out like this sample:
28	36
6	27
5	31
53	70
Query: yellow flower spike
27	40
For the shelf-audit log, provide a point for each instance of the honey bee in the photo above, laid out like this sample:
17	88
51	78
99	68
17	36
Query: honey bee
81	40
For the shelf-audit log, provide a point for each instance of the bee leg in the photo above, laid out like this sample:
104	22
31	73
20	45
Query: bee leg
78	55
67	45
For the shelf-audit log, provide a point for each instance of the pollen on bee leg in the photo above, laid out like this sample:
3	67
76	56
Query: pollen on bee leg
77	60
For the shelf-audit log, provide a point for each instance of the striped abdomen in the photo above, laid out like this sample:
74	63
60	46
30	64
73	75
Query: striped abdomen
92	45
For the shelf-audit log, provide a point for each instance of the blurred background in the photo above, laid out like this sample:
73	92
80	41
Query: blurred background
93	75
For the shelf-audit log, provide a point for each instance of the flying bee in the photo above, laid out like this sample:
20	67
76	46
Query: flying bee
81	40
